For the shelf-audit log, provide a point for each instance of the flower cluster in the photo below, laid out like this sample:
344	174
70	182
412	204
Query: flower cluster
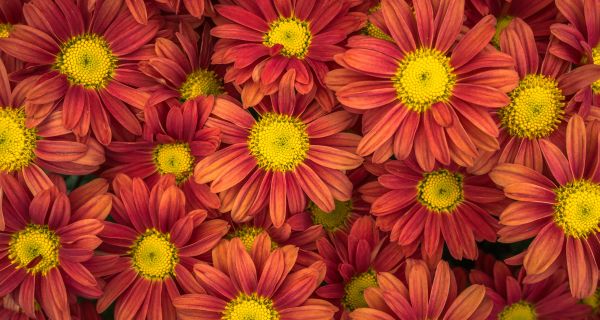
300	159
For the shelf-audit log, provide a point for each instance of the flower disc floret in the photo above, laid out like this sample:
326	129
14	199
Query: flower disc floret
250	307
355	288
35	249
201	83
518	311
577	208
154	256
174	158
441	190
5	29
596	58
334	220
292	34
17	142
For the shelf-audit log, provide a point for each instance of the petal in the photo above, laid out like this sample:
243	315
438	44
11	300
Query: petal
544	250
530	193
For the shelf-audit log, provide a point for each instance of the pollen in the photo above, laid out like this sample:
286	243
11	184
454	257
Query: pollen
374	31
292	34
17	142
424	77
441	191
278	142
536	108
201	83
596	57
35	249
502	23
174	158
577	208
248	234
593	301
154	256
250	307
518	311
87	60
355	288
334	220
5	29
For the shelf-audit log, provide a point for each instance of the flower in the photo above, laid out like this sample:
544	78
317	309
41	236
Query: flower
427	208
151	248
294	148
395	299
537	109
10	309
421	94
376	24
562	215
258	285
197	8
272	37
514	299
11	13
174	141
87	66
48	239
353	259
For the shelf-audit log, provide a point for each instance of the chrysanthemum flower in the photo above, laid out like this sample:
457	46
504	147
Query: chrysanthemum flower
425	93
261	41
428	209
11	13
196	8
10	310
27	150
515	299
579	43
353	260
47	239
172	144
537	111
150	249
423	296
538	14
376	26
87	61
255	285
562	215
293	149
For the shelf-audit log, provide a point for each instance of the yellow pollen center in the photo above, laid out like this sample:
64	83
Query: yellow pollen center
502	23
593	301
292	34
596	57
17	142
35	249
174	158
250	307
154	256
424	77
334	220
355	288
278	142
518	311
87	60
577	208
201	83
248	234
536	108
372	30
441	190
5	29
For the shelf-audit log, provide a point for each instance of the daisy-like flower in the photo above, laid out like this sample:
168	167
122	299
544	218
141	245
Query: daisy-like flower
538	105
423	296
562	215
264	40
428	209
353	260
579	43
11	13
47	240
87	62
172	144
10	310
425	93
376	26
150	249
515	299
538	14
255	285
293	149
26	149
196	8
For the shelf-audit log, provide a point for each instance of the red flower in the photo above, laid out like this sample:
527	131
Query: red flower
11	13
150	249
196	8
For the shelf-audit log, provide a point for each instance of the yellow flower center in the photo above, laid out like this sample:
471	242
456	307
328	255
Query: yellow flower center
334	220
424	77
248	234
355	288
201	83
502	23
536	108
577	208
278	142
292	34
174	158
372	30
593	301
87	60
17	142
596	57
250	307
153	256
5	29
518	311
441	190
35	249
